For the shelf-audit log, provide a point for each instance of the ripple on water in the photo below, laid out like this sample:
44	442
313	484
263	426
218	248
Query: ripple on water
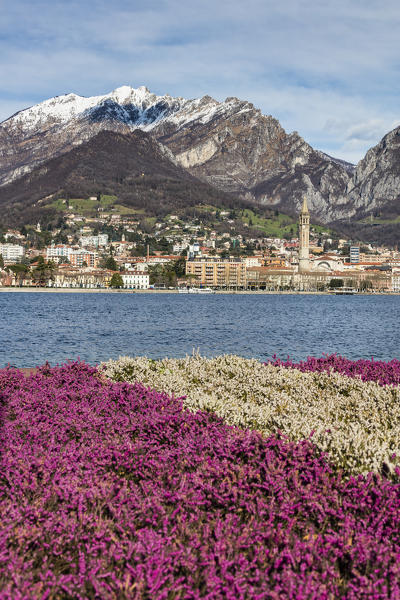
57	327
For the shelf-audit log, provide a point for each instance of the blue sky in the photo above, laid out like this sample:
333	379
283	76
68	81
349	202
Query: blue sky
328	69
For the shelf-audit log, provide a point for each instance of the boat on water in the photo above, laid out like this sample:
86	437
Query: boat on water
196	291
344	291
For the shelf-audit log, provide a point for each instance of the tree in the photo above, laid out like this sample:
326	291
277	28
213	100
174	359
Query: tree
1	262
43	272
365	285
336	283
180	267
20	271
110	264
116	281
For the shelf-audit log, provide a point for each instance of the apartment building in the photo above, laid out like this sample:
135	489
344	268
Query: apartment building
12	252
58	251
211	271
94	240
354	254
79	258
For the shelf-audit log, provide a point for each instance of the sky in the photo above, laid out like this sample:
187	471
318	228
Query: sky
328	69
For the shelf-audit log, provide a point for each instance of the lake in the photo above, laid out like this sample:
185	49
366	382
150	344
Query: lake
36	327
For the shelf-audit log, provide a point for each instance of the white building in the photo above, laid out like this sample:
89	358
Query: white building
254	261
180	247
136	280
396	282
94	240
193	250
13	233
58	251
129	266
12	252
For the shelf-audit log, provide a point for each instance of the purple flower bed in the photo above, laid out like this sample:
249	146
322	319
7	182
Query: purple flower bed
385	373
113	491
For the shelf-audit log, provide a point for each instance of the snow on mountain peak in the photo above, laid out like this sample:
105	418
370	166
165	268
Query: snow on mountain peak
138	108
127	93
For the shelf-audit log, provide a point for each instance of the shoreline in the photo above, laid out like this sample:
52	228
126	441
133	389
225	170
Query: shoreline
175	291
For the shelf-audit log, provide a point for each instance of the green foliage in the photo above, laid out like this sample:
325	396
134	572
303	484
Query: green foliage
116	281
366	285
43	272
19	268
336	283
167	274
109	263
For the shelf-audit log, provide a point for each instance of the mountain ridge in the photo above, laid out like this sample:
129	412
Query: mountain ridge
229	145
132	166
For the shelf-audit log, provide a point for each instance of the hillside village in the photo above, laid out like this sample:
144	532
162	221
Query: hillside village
212	248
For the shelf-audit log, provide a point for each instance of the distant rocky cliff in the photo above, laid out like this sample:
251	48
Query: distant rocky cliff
375	186
242	151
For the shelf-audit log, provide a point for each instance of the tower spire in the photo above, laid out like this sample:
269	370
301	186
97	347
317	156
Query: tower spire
304	238
304	208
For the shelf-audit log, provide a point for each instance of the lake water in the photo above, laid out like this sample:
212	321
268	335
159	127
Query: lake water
36	327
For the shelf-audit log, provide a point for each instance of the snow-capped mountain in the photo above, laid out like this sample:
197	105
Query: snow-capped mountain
228	144
136	108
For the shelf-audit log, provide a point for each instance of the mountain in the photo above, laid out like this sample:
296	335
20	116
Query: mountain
56	125
376	181
229	145
244	152
373	194
132	166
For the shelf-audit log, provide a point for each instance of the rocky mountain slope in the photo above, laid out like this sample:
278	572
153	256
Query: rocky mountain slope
229	145
132	166
376	182
374	194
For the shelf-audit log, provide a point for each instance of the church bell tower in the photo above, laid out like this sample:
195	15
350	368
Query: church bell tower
304	238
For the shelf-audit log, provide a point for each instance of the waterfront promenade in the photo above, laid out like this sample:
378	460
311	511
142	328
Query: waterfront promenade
176	291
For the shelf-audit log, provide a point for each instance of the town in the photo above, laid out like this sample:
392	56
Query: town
205	250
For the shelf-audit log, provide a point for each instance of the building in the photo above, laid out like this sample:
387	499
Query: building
269	278
396	282
12	252
13	233
210	271
136	280
275	261
193	250
354	254
80	258
58	251
94	240
328	263
180	247
304	238
73	277
254	261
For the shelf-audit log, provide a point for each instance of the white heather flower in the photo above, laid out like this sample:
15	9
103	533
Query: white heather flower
356	422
